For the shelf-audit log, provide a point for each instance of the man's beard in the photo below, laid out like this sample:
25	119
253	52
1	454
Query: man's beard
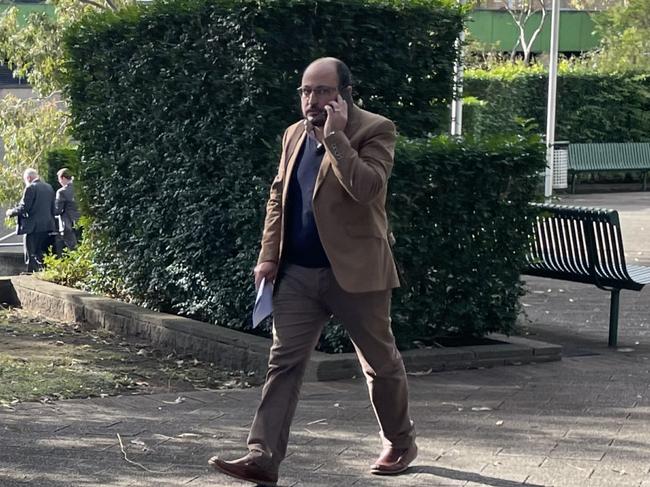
318	120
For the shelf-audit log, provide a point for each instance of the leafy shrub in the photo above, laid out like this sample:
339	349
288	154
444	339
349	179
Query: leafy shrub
591	106
74	268
81	268
461	218
179	108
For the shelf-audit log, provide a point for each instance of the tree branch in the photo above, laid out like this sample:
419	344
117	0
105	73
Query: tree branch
521	16
536	32
94	4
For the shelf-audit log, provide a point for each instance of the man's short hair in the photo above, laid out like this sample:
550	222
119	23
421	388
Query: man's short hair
64	172
345	75
30	173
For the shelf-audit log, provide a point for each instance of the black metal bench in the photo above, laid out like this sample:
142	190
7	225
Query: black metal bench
584	245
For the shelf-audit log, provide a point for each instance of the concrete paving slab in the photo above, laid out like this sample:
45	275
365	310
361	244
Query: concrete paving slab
581	422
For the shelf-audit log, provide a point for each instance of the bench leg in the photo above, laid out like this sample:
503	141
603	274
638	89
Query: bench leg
613	317
573	183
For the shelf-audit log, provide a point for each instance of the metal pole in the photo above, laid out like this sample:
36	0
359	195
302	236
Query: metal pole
552	93
457	101
613	317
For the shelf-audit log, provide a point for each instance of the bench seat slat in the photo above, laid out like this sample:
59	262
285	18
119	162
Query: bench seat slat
611	260
575	260
639	273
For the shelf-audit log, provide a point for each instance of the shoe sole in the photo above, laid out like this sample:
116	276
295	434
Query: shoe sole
389	472
260	483
377	471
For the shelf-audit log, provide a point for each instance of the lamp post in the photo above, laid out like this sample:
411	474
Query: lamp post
457	100
551	102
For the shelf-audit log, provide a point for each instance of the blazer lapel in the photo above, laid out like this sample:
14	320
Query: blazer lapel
300	136
325	164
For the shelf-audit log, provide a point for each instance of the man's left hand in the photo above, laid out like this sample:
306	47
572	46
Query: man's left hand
337	116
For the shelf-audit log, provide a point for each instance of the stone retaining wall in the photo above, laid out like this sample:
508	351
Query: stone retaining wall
237	350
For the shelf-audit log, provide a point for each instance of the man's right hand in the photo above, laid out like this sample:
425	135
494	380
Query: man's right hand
267	270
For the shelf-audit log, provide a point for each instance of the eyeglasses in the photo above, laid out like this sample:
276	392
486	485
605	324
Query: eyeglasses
319	91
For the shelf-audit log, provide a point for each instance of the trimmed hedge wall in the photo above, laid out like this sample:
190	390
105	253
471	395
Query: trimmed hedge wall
591	106
179	109
461	218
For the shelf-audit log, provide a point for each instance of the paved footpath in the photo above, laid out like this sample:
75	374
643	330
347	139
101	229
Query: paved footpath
584	421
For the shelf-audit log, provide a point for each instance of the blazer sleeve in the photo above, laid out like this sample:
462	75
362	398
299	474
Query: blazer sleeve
59	202
26	203
272	234
53	212
364	172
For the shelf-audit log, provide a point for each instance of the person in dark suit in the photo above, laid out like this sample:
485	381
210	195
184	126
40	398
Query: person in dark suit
35	214
66	210
325	245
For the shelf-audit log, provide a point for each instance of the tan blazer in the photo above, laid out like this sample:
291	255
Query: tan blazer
349	201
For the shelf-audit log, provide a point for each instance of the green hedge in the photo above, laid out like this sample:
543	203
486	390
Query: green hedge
461	217
591	106
58	158
179	108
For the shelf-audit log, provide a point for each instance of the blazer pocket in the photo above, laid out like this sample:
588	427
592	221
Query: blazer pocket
364	231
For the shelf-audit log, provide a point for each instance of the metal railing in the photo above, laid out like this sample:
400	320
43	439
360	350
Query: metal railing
14	244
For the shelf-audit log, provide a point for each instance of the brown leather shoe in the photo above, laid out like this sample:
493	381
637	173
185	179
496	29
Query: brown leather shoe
394	460
246	469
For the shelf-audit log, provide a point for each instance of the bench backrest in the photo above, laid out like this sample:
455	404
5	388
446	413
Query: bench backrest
576	243
609	156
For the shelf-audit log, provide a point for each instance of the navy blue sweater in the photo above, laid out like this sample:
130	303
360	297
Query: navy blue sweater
302	244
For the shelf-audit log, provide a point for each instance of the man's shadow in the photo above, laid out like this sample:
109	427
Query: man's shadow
467	476
476	478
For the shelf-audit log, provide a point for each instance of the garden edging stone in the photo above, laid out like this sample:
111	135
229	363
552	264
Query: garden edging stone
238	350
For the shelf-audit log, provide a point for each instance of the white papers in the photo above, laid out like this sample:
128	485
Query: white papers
263	302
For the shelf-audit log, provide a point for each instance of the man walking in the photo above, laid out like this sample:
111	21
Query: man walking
35	214
325	245
66	211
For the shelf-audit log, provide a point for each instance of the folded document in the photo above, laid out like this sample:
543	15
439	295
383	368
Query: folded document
263	302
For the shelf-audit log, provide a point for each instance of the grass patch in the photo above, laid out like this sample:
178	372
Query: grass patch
45	360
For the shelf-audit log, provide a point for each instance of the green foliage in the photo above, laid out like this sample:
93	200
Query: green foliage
625	33
73	269
81	267
482	55
460	216
591	106
32	48
58	158
28	128
179	108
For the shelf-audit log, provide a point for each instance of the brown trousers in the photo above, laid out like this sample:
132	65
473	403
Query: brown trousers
303	302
